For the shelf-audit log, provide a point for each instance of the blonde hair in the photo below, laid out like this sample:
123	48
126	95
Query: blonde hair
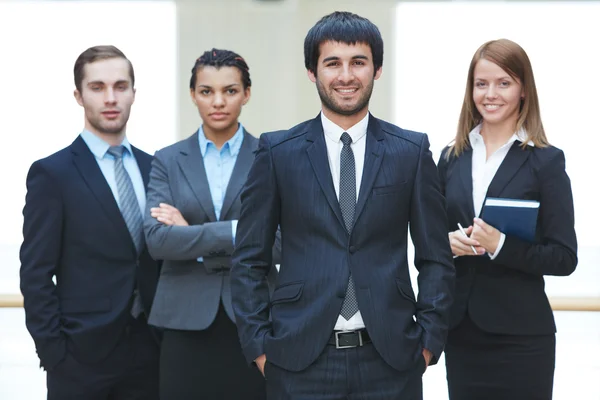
511	58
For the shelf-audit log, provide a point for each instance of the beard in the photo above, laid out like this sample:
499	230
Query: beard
330	103
109	127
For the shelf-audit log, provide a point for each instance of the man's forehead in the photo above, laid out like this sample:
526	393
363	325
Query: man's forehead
107	71
331	47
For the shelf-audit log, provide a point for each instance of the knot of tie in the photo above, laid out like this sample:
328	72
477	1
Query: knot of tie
346	139
116	151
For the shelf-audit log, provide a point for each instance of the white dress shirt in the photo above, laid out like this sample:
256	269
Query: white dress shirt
484	170
333	134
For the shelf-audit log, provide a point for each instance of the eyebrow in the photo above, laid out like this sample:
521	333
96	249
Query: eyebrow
226	87
335	58
502	78
103	83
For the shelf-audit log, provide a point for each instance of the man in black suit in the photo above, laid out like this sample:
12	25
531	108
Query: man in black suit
343	321
83	227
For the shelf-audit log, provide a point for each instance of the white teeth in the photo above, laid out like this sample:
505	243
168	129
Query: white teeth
491	106
346	90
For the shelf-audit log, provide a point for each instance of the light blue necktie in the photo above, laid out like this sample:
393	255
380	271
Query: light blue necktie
130	210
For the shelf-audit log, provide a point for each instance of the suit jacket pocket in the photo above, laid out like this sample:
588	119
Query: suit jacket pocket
74	305
383	190
406	290
287	293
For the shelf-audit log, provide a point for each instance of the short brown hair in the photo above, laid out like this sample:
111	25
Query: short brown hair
511	58
94	54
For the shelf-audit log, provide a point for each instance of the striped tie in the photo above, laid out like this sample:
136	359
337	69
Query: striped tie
130	208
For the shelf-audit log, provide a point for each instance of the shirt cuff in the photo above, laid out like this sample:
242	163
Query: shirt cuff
500	244
234	223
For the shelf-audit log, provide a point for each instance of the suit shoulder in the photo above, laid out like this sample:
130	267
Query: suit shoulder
171	150
56	161
413	137
275	138
542	156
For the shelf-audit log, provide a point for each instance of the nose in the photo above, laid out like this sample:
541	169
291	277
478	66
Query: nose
109	96
491	92
346	74
218	100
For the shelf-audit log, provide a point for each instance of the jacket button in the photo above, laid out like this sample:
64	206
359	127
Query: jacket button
352	249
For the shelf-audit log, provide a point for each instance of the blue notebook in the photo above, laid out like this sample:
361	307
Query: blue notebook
512	217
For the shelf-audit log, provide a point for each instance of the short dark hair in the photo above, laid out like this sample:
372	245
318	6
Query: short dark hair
343	27
94	54
221	58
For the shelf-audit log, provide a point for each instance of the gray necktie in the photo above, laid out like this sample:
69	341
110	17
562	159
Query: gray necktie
130	210
348	207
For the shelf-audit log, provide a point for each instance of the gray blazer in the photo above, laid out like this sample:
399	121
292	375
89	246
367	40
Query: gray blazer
189	292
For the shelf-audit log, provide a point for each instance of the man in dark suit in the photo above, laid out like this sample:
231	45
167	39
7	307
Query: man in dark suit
343	321
83	227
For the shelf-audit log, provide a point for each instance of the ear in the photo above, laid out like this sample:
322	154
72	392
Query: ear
311	76
247	93
378	73
78	97
134	91
192	96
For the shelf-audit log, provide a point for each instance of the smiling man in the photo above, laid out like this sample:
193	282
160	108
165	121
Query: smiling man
83	227
343	321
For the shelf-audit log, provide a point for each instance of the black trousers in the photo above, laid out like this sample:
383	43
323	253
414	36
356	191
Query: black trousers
482	365
357	373
207	365
130	372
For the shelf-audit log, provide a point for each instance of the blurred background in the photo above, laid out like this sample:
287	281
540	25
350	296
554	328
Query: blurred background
428	47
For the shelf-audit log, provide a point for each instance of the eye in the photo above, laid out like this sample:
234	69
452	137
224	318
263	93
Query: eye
505	84
204	92
232	91
95	88
122	87
480	84
332	64
359	62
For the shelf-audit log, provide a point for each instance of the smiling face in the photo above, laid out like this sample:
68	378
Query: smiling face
344	78
219	95
106	96
496	95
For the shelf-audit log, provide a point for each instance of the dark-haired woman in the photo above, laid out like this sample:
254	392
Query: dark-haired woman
192	210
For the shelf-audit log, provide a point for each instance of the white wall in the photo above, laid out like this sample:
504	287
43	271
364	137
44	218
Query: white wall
38	114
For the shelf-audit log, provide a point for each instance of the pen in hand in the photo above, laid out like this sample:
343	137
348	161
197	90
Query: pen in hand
465	235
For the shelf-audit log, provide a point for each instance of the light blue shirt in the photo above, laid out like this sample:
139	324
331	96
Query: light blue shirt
219	167
106	162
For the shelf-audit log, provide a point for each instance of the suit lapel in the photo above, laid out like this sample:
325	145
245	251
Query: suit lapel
373	158
317	154
465	172
92	175
510	165
240	173
192	167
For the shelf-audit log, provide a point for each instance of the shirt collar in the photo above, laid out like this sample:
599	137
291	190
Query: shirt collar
98	146
520	135
334	132
234	144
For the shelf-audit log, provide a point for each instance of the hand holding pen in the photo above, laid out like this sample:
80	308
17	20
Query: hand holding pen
462	244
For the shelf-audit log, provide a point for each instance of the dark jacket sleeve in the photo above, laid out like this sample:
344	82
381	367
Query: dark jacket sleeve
433	258
253	255
40	255
556	252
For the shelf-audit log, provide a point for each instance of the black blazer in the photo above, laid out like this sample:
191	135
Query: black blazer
73	230
506	295
290	184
